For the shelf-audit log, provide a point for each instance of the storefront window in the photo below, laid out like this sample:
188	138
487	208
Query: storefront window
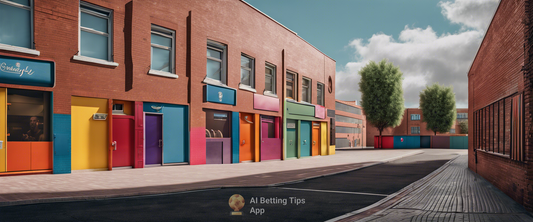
28	115
217	124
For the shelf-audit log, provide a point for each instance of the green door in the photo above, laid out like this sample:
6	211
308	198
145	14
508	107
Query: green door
291	139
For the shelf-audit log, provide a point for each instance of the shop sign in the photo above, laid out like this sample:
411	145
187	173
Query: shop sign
218	94
23	71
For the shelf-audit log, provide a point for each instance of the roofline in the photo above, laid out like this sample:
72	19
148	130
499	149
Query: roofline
484	36
296	34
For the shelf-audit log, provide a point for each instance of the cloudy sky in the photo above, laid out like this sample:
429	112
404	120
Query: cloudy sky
430	40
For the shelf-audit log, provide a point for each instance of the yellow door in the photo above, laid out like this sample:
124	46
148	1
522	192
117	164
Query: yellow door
323	139
3	128
89	137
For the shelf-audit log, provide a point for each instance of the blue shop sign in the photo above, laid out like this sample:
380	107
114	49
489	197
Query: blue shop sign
22	71
217	94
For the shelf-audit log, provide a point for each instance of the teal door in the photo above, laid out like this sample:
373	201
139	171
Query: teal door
305	138
291	139
175	134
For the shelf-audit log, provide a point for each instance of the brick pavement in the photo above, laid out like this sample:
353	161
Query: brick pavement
127	182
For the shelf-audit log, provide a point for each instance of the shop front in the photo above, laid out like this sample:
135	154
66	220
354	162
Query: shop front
305	130
26	116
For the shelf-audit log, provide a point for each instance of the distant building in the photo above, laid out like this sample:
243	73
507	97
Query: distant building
349	124
412	124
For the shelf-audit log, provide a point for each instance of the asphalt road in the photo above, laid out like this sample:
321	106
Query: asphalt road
312	200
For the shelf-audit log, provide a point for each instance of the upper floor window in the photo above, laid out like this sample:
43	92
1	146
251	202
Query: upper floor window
247	71
462	115
162	43
216	61
415	130
452	131
96	32
16	23
320	94
270	78
291	85
415	116
346	108
306	90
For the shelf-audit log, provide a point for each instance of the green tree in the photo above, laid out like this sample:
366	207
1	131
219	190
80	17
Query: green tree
382	94
463	127
438	108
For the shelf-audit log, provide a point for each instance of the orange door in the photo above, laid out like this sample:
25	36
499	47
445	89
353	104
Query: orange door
315	150
246	149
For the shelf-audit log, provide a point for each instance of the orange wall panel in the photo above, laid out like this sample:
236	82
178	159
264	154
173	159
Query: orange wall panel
18	156
41	155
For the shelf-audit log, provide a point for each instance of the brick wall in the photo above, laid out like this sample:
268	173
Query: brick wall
497	72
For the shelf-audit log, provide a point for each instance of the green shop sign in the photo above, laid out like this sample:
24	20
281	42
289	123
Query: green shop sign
22	71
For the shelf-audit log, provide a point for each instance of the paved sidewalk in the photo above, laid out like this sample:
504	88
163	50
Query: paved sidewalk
127	182
452	193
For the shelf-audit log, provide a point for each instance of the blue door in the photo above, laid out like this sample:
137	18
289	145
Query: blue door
305	138
175	134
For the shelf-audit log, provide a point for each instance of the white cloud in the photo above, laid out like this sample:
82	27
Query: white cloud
423	56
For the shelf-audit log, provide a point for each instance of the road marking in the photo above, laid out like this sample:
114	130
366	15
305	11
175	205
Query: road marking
334	191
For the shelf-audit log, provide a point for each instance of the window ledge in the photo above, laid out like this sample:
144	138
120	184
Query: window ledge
93	60
269	93
163	74
19	49
246	87
215	82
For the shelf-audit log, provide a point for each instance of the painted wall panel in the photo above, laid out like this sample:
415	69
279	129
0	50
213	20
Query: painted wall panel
407	143
324	139
89	137
425	141
300	109
458	142
440	142
62	143
235	139
139	135
217	94
315	145
291	148
268	103
320	112
3	128
247	138
305	140
18	156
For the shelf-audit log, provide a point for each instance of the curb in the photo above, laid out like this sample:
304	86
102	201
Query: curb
155	193
405	191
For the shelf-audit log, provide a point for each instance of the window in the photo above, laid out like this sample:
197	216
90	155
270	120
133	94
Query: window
28	115
415	116
320	94
247	71
343	129
291	85
16	17
415	130
95	32
216	62
462	115
346	108
270	78
163	46
346	119
306	90
452	131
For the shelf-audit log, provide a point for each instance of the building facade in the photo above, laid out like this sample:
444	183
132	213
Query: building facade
350	125
412	124
100	84
499	96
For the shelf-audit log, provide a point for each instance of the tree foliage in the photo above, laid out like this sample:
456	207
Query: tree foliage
463	127
382	94
438	108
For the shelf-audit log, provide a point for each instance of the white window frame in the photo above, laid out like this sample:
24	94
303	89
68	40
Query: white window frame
250	87
167	33
323	93
309	90
109	34
222	48
272	91
20	49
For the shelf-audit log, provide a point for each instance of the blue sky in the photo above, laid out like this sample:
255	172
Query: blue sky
420	36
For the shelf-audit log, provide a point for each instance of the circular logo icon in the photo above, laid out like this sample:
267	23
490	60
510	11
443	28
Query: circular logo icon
236	202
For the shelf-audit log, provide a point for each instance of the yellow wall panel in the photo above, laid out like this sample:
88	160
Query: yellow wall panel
331	150
89	137
323	139
3	128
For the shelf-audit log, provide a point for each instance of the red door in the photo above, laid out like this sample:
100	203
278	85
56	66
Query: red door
123	139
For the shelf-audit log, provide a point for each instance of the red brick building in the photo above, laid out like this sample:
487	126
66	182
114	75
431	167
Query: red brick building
412	124
350	125
500	102
132	83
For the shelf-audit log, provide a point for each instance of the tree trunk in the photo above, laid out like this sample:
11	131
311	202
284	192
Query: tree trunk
380	140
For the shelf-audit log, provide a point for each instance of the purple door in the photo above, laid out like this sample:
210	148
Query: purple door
154	139
270	143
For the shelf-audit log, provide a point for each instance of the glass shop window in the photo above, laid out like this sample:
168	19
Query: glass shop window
217	124
28	115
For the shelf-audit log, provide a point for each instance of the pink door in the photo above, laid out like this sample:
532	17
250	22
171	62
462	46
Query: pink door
123	138
270	140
